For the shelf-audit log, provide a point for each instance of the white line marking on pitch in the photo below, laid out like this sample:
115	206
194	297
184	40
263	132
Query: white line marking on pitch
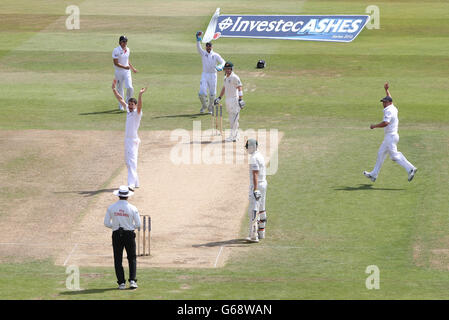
218	256
73	250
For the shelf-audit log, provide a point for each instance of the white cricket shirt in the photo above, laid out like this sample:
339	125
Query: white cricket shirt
132	124
123	57
391	116
122	214
257	162
210	60
231	83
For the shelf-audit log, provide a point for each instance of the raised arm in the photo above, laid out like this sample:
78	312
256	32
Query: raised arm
139	100
117	95
198	43
386	87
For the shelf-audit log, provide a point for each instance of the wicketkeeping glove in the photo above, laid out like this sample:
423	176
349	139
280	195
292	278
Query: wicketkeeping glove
257	194
241	104
198	35
217	101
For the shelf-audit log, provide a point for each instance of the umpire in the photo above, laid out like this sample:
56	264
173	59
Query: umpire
122	217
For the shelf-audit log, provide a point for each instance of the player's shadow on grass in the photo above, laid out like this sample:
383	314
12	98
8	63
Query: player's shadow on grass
113	111
191	116
89	193
227	243
362	187
86	291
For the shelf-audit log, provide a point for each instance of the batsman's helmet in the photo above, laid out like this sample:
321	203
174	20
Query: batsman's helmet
261	64
251	143
228	64
123	38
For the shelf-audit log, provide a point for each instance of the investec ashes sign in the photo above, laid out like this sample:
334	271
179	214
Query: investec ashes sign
340	28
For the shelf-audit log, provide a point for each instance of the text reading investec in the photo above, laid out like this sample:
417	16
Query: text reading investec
324	28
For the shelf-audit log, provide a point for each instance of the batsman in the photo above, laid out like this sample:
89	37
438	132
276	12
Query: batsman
257	192
233	89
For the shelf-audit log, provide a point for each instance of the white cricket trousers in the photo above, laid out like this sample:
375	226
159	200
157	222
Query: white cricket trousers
208	82
389	147
233	108
131	154
124	80
256	206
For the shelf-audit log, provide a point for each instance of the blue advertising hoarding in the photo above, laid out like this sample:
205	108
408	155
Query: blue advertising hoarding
337	28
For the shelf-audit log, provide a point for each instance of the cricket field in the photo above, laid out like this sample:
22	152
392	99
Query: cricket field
331	233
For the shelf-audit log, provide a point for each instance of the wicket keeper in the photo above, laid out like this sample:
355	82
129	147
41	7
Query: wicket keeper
212	62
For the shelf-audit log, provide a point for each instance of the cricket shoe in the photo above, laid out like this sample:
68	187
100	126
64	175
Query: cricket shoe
122	286
411	174
132	284
203	110
121	108
255	240
369	176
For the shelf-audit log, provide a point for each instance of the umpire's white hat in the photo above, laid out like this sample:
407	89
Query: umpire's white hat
123	192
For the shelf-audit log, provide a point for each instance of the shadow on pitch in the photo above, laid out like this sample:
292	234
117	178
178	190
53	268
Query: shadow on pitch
113	111
229	243
191	116
362	187
89	193
87	291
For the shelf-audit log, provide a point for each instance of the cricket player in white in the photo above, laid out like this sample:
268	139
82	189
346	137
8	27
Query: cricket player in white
132	140
122	66
212	62
257	192
233	89
389	145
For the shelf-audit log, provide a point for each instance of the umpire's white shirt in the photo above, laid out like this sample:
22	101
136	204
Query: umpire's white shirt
123	58
132	124
122	214
210	60
391	116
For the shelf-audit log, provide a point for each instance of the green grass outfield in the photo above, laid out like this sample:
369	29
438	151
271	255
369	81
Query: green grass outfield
326	222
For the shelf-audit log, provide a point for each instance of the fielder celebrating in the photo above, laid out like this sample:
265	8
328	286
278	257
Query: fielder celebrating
233	89
120	57
132	140
257	192
122	217
389	145
212	62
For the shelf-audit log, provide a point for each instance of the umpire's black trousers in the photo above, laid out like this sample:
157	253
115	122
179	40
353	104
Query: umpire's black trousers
124	239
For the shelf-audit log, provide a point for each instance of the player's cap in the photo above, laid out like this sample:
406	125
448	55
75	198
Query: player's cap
123	191
209	44
123	38
251	143
228	64
386	99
